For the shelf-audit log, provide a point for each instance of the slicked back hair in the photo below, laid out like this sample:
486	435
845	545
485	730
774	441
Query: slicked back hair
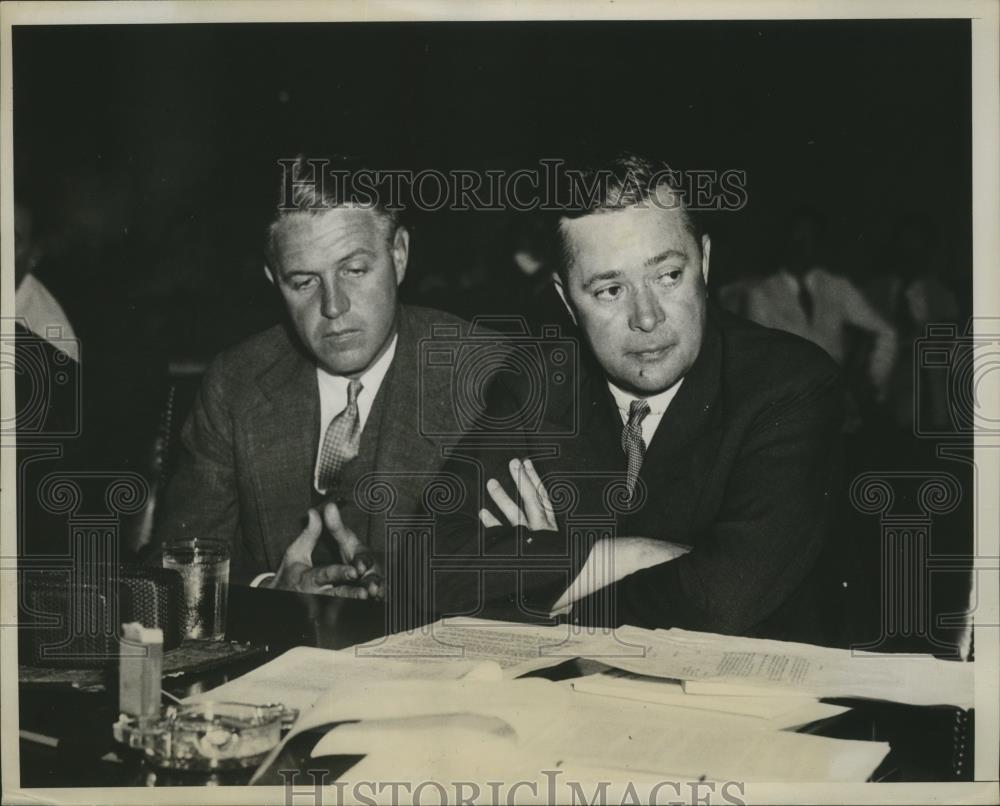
315	184
607	185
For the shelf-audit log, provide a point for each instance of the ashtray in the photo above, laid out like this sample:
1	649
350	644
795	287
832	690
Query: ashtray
206	735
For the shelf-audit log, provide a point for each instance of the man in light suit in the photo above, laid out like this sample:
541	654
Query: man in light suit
289	425
696	480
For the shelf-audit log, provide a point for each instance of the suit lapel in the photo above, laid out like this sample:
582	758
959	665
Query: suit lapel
433	413
690	414
413	402
679	456
282	446
601	424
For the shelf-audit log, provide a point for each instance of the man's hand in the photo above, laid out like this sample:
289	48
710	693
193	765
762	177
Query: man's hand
613	559
358	556
357	578
609	560
537	513
296	572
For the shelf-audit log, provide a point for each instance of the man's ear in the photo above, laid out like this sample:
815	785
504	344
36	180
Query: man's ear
400	252
706	249
269	274
561	291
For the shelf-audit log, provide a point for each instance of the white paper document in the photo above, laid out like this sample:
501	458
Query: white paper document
517	648
783	668
526	705
445	726
447	747
680	742
447	696
757	666
300	676
775	713
471	728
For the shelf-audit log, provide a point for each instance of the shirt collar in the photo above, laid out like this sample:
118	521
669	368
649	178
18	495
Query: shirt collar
657	403
371	378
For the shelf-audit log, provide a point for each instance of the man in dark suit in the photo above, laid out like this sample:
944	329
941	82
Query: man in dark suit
696	478
290	427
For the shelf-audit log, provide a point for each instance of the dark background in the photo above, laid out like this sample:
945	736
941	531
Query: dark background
143	147
145	152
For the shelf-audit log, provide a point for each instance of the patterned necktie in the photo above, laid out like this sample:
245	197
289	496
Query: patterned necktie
633	443
341	441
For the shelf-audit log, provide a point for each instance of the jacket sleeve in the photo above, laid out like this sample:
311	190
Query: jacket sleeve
201	499
778	509
501	572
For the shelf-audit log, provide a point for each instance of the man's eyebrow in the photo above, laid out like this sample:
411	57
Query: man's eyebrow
669	253
359	251
604	275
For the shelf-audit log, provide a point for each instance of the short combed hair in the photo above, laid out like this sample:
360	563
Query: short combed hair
609	184
315	184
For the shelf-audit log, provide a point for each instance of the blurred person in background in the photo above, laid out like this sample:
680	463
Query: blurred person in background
912	294
803	296
34	304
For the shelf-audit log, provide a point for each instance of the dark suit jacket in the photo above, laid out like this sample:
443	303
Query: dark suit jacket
744	467
245	472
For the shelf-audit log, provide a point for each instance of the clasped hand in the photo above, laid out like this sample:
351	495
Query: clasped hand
609	560
360	576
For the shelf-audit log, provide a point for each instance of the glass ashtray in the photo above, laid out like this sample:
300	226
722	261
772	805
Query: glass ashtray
206	735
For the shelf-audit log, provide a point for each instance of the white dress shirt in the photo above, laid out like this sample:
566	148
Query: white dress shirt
333	396
44	316
837	305
657	406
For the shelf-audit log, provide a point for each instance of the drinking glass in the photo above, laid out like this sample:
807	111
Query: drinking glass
204	567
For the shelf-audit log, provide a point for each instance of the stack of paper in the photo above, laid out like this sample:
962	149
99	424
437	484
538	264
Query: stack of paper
443	702
434	730
299	677
688	744
516	648
477	730
774	713
726	664
779	668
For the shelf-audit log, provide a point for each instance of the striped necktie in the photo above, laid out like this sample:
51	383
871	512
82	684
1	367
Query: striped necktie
341	441
633	443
